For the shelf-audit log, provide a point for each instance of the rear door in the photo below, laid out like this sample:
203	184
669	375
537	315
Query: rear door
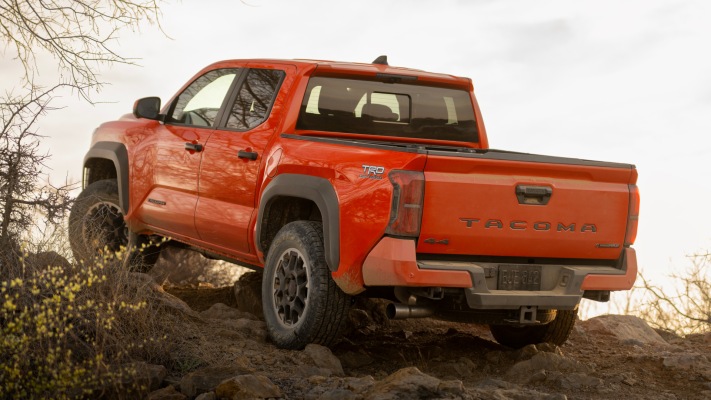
233	160
520	205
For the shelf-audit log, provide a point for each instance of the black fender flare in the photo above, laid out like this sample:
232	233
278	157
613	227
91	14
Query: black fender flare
115	152
318	190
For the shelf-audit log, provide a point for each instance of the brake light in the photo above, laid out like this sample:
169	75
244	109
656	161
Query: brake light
406	208
632	216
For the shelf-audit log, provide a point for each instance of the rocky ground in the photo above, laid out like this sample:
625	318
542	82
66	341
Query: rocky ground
225	354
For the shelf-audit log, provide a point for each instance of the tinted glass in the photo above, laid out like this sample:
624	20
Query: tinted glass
390	109
255	98
199	104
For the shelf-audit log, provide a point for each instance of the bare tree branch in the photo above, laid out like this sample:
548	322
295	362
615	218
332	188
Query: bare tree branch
81	35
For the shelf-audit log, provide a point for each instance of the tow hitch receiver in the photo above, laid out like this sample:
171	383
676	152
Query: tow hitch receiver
528	315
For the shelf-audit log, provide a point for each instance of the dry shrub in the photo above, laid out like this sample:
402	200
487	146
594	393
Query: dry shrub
683	306
72	331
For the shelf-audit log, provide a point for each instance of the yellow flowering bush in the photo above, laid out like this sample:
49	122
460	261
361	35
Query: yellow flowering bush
71	331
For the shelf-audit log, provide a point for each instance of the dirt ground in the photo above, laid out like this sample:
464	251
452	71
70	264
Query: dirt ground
466	352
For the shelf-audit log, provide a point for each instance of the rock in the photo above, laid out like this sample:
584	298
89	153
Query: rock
686	361
455	387
154	374
549	348
140	376
223	312
525	353
248	292
358	319
523	370
247	387
516	394
167	393
576	381
463	367
177	267
629	381
625	328
407	383
323	358
538	376
359	385
207	396
351	359
207	379
337	394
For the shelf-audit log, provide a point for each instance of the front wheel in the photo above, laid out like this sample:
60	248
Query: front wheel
556	331
96	225
301	302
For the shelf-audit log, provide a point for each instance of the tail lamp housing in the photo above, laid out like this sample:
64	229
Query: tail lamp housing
406	208
632	216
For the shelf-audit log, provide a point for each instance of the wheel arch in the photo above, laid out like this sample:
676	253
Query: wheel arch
303	190
98	164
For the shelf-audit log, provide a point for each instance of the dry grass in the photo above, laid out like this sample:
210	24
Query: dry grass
72	331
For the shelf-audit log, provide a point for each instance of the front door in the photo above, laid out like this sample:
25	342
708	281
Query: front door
168	164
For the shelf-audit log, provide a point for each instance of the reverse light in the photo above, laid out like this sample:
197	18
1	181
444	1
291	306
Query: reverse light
406	208
632	216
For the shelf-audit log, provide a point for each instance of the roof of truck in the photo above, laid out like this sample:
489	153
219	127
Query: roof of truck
326	67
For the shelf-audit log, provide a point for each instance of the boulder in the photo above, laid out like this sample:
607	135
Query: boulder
167	393
224	312
248	292
360	384
247	387
628	329
324	359
407	383
686	361
206	379
524	370
352	359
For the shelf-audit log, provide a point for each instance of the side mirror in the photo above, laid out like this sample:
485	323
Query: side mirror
147	107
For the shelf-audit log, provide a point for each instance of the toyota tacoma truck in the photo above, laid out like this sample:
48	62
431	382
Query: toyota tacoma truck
352	179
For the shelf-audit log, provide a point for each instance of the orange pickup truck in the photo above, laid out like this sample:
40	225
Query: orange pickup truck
349	179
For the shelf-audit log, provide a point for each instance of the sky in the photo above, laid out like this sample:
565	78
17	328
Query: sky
625	81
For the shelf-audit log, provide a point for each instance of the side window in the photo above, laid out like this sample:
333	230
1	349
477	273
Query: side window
200	103
255	98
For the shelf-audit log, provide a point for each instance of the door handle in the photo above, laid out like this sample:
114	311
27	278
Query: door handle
193	147
533	195
247	155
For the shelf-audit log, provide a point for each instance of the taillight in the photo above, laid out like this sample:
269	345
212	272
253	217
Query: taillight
406	208
632	216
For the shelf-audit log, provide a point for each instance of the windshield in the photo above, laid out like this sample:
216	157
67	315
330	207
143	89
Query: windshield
390	109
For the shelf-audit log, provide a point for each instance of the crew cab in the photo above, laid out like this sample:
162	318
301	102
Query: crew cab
352	179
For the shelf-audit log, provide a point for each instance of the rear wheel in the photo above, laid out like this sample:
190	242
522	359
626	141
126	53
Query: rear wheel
301	302
556	332
96	225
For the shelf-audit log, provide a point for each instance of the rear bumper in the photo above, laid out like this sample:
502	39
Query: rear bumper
393	262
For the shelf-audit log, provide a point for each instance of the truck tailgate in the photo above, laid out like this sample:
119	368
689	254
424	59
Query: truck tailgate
521	205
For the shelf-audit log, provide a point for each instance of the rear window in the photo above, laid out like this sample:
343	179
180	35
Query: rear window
389	109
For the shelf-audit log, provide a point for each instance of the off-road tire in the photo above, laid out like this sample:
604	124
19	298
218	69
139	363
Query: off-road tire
96	224
296	274
556	332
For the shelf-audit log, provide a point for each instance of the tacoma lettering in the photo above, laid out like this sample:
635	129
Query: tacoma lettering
541	226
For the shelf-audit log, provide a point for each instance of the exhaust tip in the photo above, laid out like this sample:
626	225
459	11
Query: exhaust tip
403	311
